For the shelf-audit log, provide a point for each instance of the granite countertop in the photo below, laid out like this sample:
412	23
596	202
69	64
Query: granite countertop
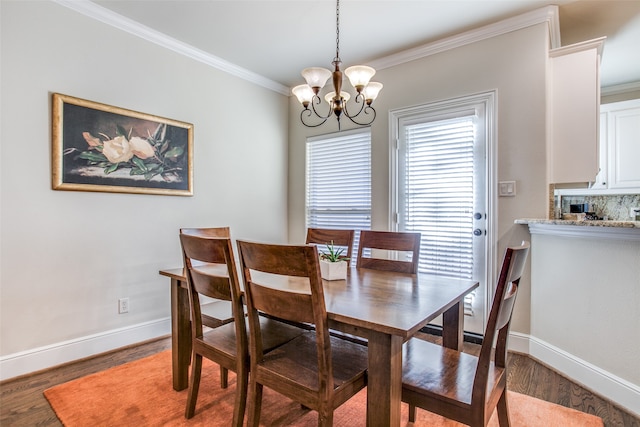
583	223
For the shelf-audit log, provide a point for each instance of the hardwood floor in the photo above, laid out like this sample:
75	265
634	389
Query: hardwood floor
23	404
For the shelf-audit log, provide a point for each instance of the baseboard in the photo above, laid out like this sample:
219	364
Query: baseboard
25	362
621	392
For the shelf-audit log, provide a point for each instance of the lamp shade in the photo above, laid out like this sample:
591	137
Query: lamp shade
316	77
304	93
359	75
371	91
329	97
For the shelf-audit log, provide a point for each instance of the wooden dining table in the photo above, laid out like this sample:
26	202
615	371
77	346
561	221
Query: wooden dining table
386	308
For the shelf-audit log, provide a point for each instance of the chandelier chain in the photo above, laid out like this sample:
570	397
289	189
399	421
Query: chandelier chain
337	58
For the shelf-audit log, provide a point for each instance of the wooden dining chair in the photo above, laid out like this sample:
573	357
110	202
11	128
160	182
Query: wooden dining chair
460	386
391	241
210	269
318	371
324	236
214	312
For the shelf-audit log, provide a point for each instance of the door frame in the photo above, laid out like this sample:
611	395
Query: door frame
489	101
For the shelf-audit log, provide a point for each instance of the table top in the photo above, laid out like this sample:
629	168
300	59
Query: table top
388	302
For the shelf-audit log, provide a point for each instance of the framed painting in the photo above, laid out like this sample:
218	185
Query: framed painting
98	147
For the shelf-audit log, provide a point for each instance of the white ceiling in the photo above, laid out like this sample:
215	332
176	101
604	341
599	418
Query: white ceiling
278	38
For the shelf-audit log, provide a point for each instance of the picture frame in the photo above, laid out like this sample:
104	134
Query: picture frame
99	147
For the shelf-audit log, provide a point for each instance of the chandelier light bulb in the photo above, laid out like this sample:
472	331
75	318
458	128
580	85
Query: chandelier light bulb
316	77
304	94
371	91
329	97
359	76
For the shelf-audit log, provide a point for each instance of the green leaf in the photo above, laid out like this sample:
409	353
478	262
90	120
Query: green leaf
112	168
174	153
121	131
136	171
92	156
139	163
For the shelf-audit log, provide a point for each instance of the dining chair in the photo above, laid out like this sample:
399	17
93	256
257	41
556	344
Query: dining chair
460	386
391	241
318	371
214	312
210	269
324	236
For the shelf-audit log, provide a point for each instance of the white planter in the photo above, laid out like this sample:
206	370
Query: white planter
333	270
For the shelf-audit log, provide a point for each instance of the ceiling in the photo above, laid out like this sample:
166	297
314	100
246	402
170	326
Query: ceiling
276	39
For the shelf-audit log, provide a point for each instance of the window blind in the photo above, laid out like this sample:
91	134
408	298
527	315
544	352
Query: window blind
338	187
439	194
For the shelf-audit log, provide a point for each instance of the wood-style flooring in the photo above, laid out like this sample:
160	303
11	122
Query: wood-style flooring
22	402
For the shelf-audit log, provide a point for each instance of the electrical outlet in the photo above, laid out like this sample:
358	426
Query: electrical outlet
123	305
633	213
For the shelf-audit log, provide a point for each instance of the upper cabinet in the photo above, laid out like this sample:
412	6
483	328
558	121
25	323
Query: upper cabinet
619	146
573	112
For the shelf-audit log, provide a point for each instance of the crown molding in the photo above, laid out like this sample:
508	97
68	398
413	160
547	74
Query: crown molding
620	89
548	15
130	26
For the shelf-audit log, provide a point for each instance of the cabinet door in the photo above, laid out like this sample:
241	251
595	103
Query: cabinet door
574	113
623	138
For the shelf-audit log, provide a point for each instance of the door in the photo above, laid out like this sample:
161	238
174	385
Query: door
441	192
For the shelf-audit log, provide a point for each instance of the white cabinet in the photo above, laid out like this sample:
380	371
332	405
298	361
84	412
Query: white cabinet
573	112
621	141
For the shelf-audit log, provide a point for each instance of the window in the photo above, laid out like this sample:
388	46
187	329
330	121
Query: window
339	182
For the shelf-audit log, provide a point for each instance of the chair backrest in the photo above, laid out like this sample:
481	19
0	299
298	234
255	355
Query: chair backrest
323	236
299	303
499	322
211	271
207	232
390	241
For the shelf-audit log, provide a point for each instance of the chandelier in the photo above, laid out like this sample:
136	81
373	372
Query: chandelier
316	77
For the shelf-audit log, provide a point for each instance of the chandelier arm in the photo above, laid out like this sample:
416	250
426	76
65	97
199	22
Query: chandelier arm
302	115
366	111
316	100
357	100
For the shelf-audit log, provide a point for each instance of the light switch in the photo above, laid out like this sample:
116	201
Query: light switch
507	188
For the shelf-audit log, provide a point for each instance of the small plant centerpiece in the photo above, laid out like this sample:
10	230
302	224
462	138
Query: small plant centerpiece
333	265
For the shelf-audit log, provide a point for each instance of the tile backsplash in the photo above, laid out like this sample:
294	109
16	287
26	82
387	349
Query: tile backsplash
612	207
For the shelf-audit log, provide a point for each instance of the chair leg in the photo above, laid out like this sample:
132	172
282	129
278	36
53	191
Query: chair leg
412	413
224	377
255	403
325	418
194	386
503	410
242	380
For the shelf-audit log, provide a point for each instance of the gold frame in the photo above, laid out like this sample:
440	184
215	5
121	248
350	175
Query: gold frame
93	150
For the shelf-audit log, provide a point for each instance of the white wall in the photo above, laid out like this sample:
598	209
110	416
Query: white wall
584	303
66	257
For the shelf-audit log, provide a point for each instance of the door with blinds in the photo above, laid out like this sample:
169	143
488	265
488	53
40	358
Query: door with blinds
441	192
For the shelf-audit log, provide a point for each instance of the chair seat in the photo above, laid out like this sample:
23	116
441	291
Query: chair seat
274	334
442	373
296	362
216	313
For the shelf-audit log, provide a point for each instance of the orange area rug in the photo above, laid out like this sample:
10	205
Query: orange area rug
140	393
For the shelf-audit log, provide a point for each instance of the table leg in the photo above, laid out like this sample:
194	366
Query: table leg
384	386
452	327
180	335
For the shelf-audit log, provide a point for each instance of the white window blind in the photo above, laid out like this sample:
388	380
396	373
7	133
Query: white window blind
438	193
338	187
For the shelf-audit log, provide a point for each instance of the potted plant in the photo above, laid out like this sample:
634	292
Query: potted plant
333	265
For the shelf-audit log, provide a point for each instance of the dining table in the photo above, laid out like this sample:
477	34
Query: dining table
384	307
